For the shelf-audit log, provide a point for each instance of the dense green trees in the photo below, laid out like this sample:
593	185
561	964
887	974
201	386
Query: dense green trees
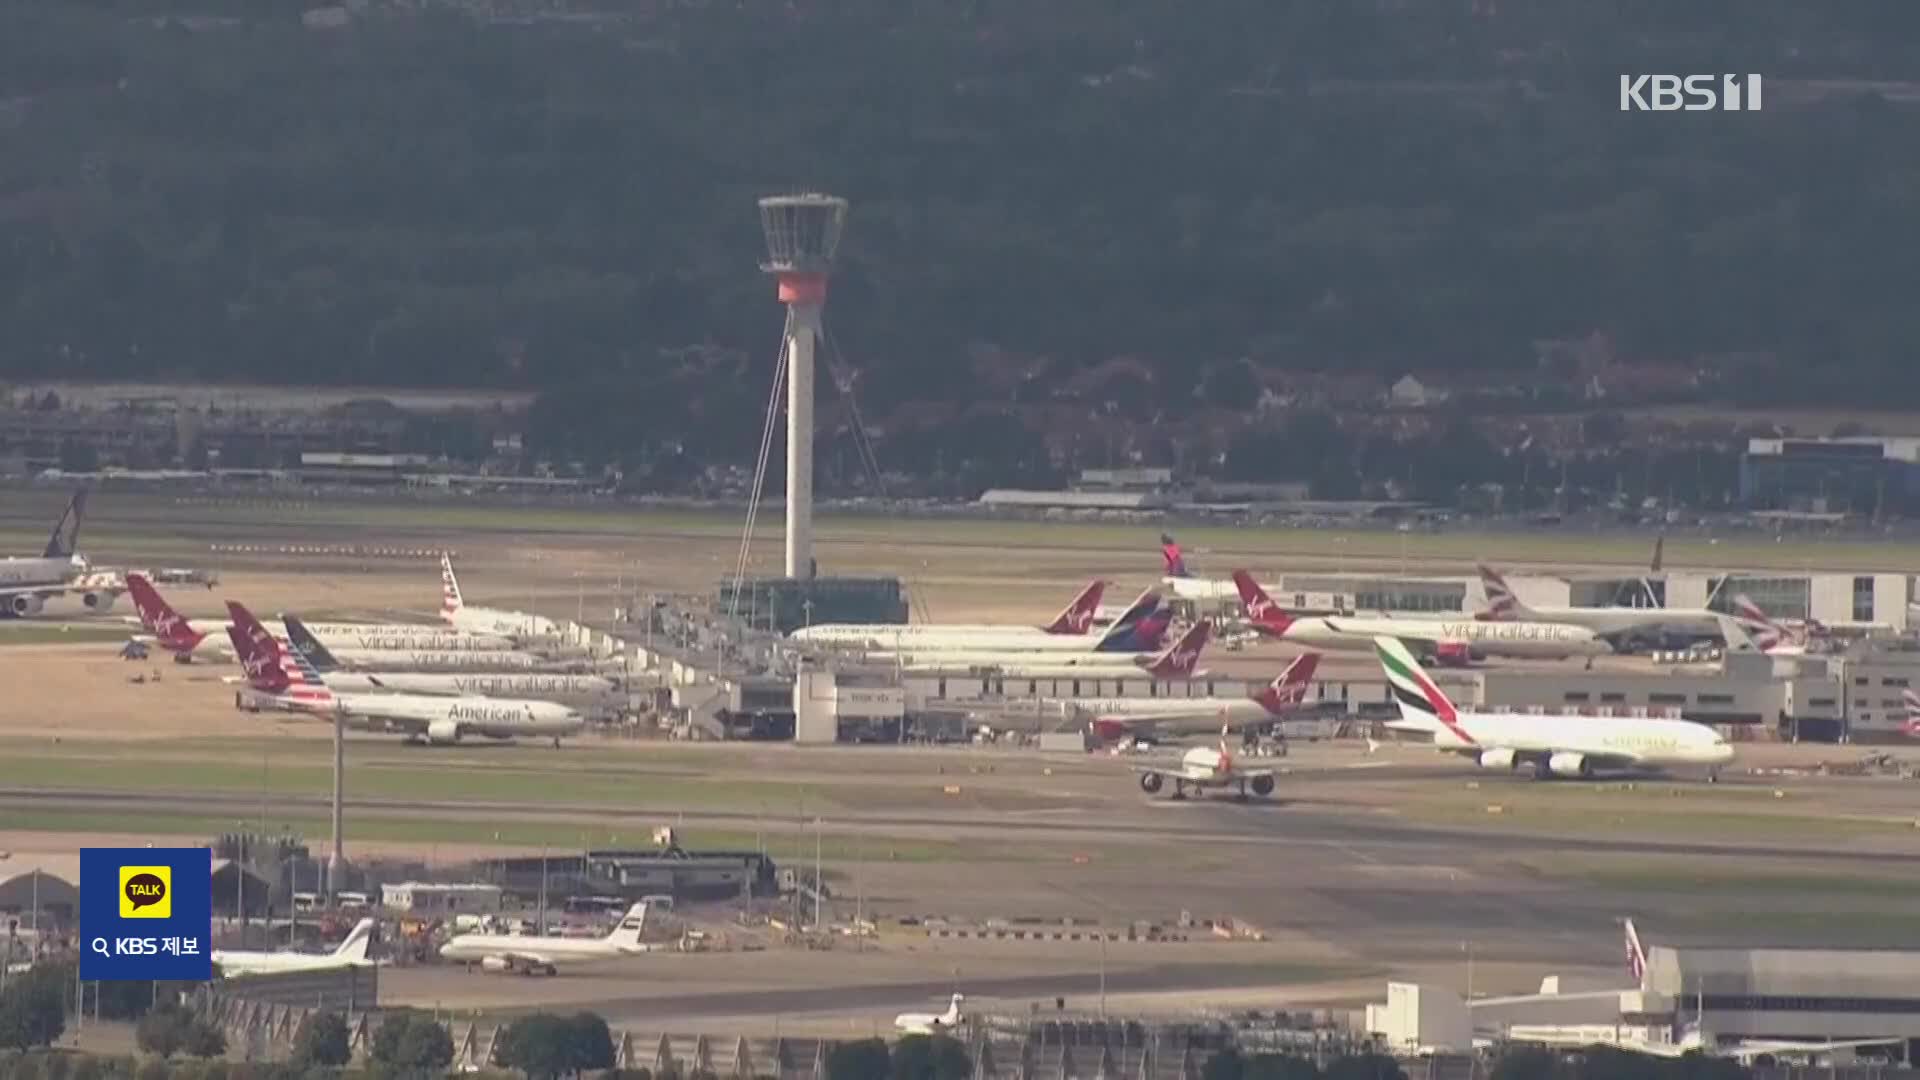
547	1045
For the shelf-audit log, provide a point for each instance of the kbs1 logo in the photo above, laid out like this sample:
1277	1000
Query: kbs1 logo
1690	93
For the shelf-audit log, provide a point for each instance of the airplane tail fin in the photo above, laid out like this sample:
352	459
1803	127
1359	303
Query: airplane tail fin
450	601
1655	564
309	646
65	541
259	654
1749	629
631	925
952	1016
358	941
1128	632
1911	699
1423	706
1174	564
1287	692
1260	607
1078	616
1503	604
167	626
1183	656
1636	956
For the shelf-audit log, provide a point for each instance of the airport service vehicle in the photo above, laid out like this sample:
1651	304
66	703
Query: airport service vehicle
27	583
349	953
1133	631
1115	718
1178	661
517	625
536	684
173	632
1074	622
1206	767
1614	623
434	719
1177	576
930	1023
1454	642
531	954
1553	745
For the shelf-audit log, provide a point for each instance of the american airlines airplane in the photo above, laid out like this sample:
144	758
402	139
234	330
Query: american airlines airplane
1115	718
518	625
26	584
1554	745
531	684
352	952
1071	625
1454	642
533	954
297	687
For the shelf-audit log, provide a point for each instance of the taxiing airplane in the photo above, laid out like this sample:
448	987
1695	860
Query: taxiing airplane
1552	744
1206	767
1116	718
351	952
518	625
1073	622
930	1023
1611	623
540	954
1452	642
534	684
292	683
26	584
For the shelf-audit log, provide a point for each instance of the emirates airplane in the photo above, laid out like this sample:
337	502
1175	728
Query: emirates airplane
1454	642
297	687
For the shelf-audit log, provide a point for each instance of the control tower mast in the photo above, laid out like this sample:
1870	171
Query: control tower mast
803	233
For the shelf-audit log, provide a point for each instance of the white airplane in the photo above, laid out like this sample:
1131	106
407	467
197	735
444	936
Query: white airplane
1206	767
1072	624
1453	642
350	952
1136	628
1911	729
518	625
438	720
1179	660
26	584
1504	605
1768	636
931	1023
1553	744
1116	718
535	684
1180	579
532	954
173	632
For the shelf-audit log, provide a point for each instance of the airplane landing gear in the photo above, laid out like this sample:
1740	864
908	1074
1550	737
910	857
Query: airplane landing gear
1179	789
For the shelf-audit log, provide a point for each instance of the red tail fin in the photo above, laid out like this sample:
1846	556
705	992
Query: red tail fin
259	654
1183	656
1287	692
1078	616
1264	613
1174	563
168	627
1912	700
1502	604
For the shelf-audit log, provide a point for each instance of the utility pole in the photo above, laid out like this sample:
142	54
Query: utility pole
819	883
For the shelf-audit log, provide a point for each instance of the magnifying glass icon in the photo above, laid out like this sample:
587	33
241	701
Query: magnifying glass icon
100	946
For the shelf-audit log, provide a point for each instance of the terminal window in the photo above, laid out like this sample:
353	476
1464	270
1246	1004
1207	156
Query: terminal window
1612	697
1863	599
1716	699
1666	699
1893	680
1574	696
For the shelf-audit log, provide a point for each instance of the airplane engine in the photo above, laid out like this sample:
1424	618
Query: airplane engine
1501	758
101	602
1569	764
495	963
1452	654
26	605
1262	786
443	732
1150	782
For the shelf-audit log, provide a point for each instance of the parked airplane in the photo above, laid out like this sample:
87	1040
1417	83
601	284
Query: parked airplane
1140	629
1769	636
26	584
292	683
1125	633
1553	744
1453	642
1116	718
1178	577
532	954
1177	660
518	625
1612	623
173	632
1206	767
351	952
930	1023
1072	623
535	684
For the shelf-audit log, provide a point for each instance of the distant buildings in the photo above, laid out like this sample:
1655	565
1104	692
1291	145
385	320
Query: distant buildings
1868	474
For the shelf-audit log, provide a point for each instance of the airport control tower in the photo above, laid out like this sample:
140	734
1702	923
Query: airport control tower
803	232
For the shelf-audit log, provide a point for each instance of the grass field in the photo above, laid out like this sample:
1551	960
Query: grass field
48	633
